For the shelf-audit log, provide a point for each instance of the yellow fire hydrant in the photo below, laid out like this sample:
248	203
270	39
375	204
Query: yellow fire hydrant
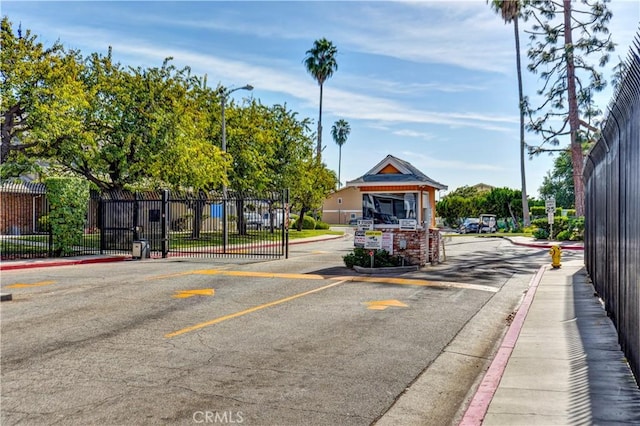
555	256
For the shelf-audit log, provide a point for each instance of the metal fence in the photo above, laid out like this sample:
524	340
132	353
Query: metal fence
612	229
166	223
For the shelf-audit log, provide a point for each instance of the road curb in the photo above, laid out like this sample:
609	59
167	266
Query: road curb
479	405
545	245
63	263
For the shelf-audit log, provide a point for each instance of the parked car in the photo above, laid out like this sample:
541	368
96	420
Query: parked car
253	220
470	225
354	222
278	219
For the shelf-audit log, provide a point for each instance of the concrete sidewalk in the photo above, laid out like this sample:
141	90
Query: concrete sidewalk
559	363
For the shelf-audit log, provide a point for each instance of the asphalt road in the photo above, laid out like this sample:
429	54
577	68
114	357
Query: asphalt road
284	342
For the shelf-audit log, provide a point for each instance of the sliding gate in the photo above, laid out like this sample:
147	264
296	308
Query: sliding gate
202	224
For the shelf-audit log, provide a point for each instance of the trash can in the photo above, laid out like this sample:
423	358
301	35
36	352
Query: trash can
140	249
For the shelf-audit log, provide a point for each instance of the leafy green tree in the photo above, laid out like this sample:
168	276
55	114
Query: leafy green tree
250	143
41	99
321	63
465	192
144	127
292	147
340	132
510	12
315	184
569	80
504	203
454	208
559	181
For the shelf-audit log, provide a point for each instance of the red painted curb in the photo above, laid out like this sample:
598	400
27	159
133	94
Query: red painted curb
548	246
62	263
479	405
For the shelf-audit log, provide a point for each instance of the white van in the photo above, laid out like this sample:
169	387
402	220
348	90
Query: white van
278	219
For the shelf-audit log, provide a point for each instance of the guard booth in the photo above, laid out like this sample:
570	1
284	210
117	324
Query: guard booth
399	200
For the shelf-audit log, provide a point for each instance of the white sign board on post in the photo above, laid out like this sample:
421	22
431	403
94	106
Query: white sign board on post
373	239
408	224
365	224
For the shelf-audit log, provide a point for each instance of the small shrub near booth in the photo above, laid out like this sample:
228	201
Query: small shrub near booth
68	199
381	259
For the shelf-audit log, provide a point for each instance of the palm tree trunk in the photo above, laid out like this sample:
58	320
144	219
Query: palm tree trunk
339	164
523	179
319	147
574	118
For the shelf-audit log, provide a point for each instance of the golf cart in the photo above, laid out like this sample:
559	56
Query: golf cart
488	223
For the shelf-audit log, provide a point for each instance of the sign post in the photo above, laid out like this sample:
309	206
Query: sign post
373	242
550	207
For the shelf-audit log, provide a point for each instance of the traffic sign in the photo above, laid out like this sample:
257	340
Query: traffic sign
550	204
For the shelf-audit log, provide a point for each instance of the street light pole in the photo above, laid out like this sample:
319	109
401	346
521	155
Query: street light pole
225	95
225	228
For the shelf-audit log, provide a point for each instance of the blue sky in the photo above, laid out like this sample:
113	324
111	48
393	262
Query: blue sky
431	82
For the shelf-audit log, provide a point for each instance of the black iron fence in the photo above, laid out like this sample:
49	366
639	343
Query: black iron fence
612	229
166	223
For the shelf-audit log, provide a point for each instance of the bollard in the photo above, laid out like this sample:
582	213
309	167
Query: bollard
555	253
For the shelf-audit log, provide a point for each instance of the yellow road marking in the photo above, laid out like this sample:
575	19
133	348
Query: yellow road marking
38	284
242	274
183	294
268	275
250	310
368	279
177	274
381	305
418	282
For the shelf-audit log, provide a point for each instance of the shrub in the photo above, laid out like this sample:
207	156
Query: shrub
68	199
381	258
322	225
307	223
563	236
541	234
574	225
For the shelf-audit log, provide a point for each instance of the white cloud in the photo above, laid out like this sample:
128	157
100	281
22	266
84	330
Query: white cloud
425	162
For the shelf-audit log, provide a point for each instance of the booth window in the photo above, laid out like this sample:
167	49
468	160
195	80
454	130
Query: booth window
389	208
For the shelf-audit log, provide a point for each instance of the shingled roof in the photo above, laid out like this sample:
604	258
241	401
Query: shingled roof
405	174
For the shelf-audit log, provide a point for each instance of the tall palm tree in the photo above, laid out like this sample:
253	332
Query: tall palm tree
321	64
340	132
510	11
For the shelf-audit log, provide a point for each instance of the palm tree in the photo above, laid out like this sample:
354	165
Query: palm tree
340	132
321	64
510	11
